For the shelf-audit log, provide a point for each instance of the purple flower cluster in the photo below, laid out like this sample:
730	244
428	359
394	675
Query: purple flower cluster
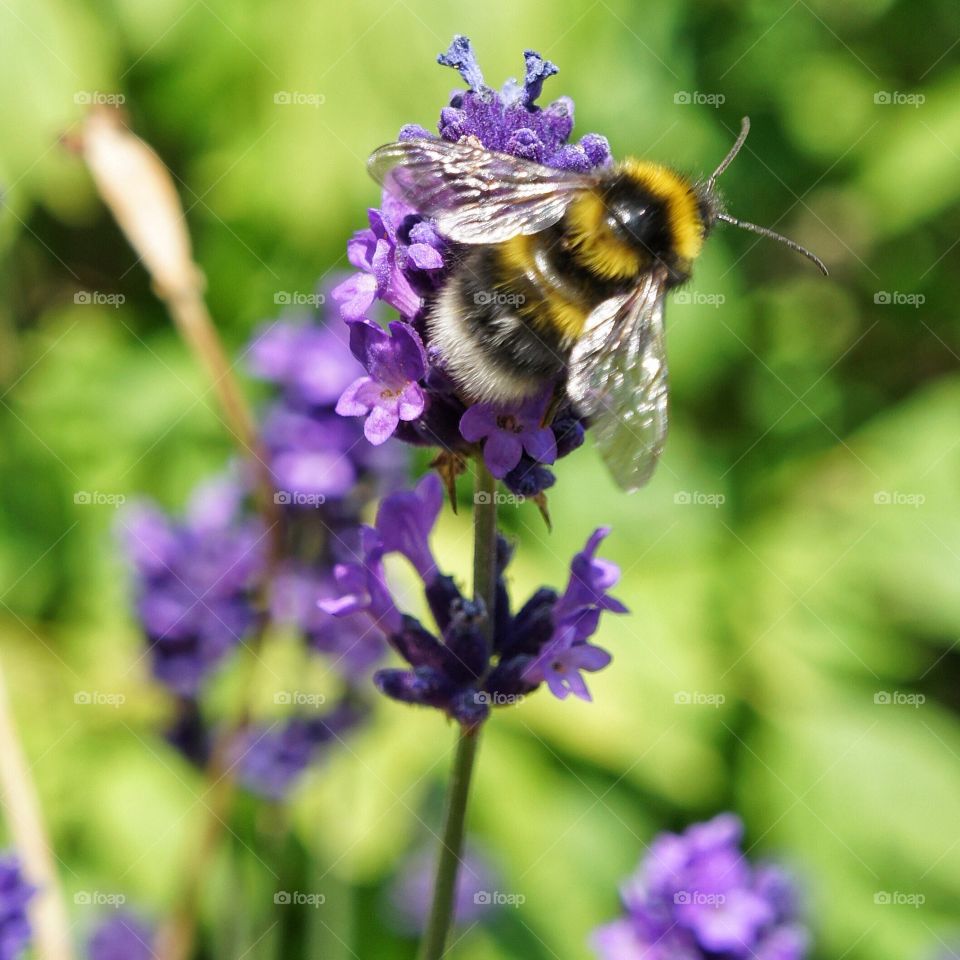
15	894
121	937
271	759
199	580
195	582
457	670
402	261
696	896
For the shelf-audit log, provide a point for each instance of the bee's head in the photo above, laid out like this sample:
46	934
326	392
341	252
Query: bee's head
654	211
711	207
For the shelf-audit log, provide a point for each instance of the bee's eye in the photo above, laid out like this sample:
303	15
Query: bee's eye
639	224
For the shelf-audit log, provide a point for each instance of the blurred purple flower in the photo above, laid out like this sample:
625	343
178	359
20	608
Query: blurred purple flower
411	891
390	392
121	937
15	894
272	759
507	434
309	361
696	896
194	584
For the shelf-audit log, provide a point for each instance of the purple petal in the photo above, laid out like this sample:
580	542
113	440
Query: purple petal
366	339
479	421
541	444
379	427
501	453
424	256
588	657
360	249
355	295
411	402
409	350
358	398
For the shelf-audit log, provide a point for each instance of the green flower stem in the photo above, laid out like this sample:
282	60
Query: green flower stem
433	946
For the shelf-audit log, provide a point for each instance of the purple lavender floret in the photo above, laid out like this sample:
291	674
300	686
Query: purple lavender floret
272	759
121	937
508	434
195	582
454	669
391	391
403	261
696	896
15	894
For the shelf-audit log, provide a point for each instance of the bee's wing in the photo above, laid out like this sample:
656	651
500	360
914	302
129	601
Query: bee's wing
475	194
618	376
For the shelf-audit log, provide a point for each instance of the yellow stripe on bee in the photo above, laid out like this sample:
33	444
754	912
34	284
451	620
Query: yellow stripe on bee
677	194
593	243
551	309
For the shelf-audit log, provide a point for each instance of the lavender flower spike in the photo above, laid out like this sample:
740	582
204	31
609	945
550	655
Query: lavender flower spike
390	392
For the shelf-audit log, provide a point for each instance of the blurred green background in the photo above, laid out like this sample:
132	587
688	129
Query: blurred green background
796	556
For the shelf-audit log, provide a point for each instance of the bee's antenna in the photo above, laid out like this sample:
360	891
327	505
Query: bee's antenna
773	235
734	150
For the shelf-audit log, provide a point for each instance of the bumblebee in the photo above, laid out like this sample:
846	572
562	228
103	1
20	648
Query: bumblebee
561	277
